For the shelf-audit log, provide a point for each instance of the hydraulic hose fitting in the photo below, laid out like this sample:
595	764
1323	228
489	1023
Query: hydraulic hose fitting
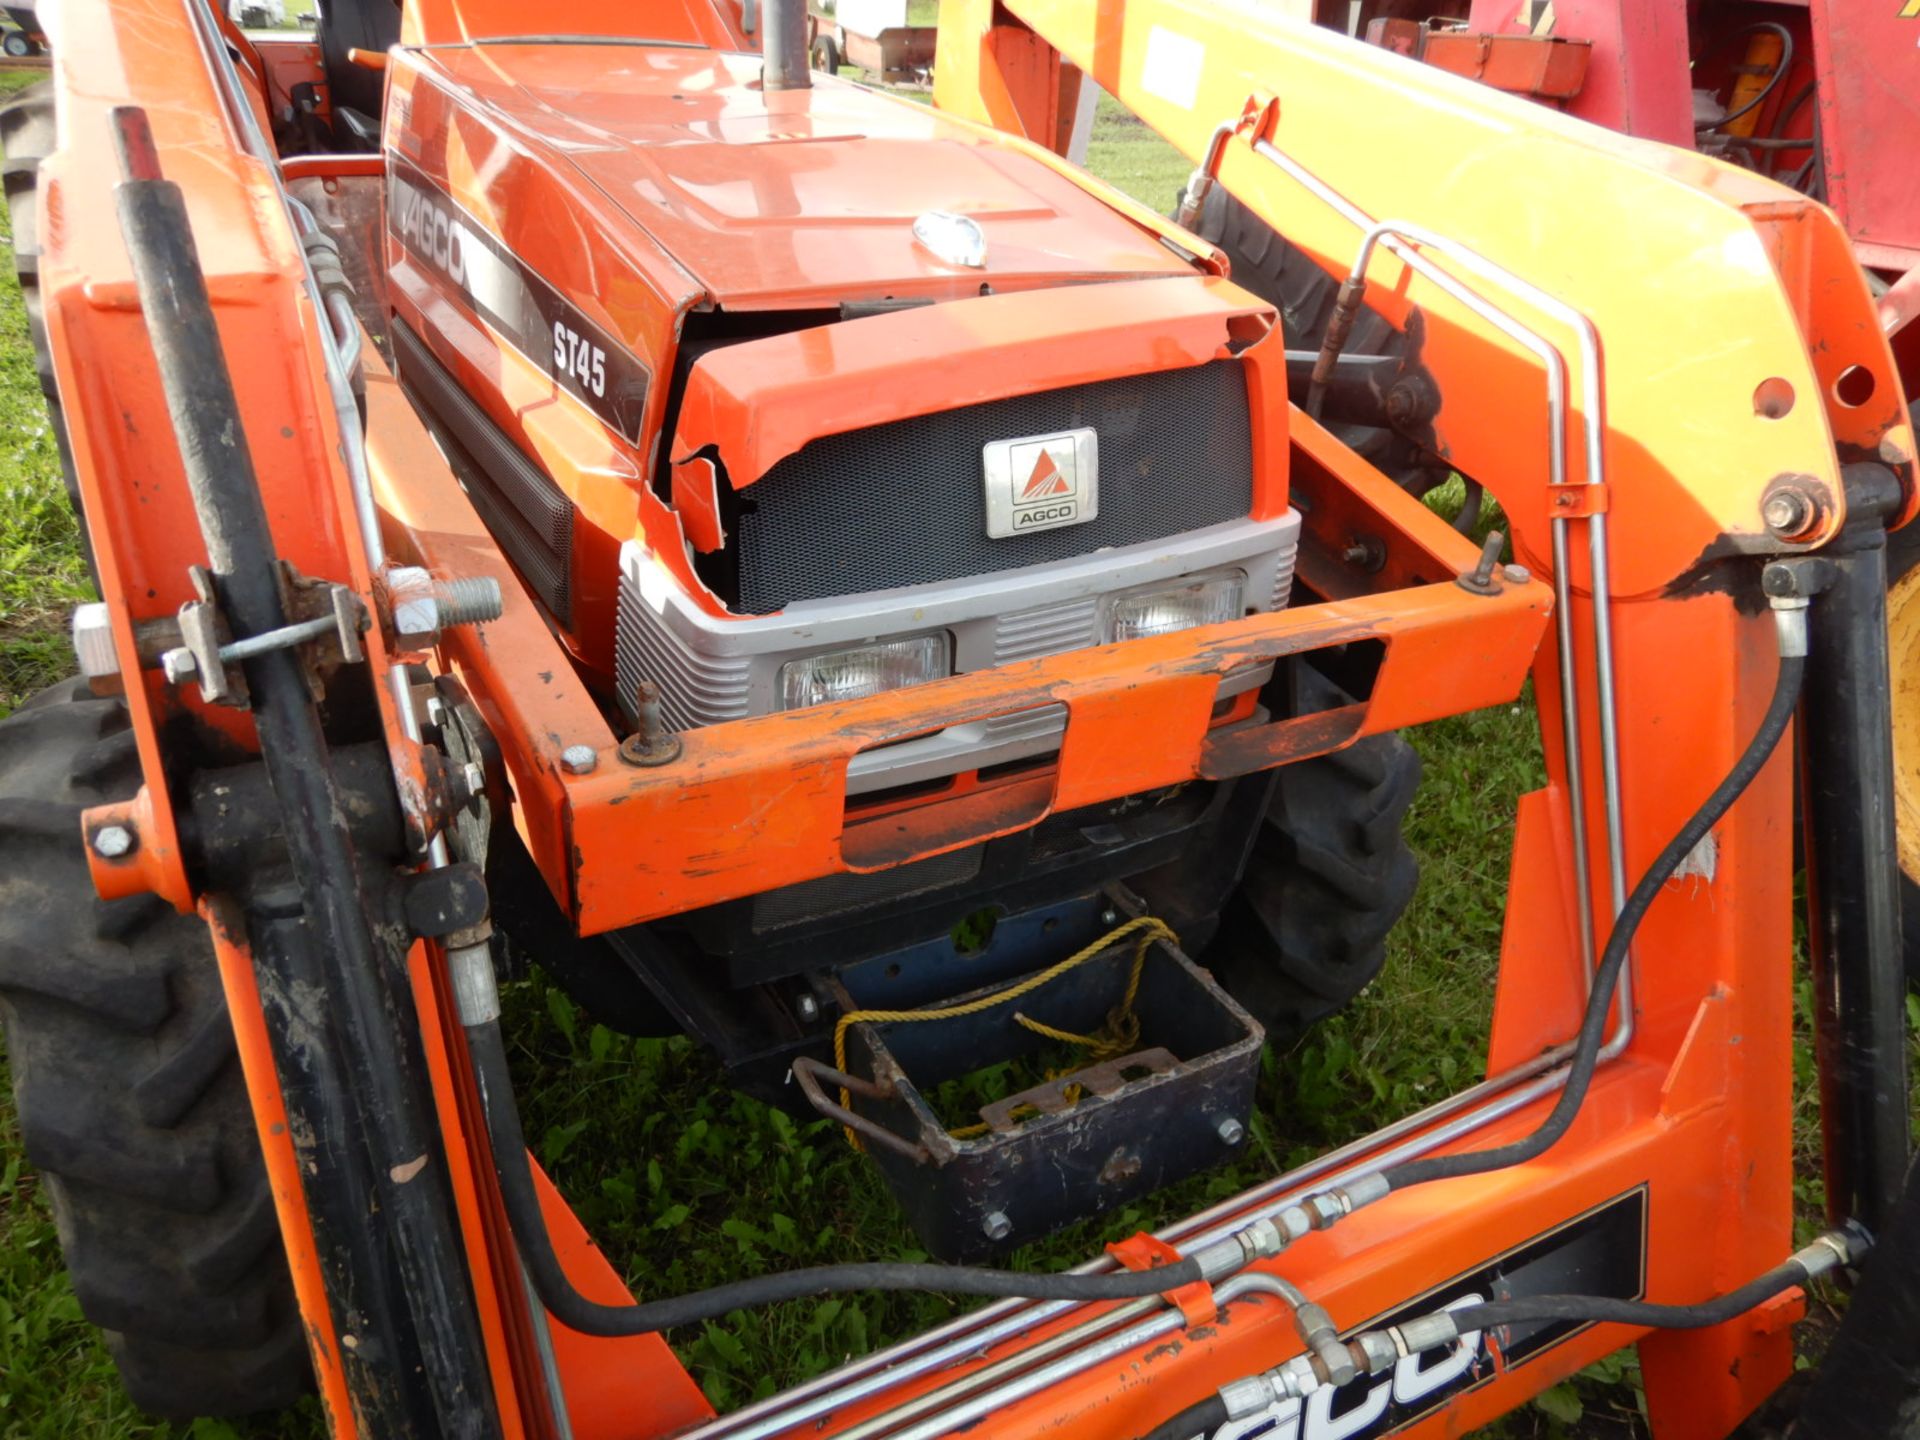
476	991
1254	1394
1375	1351
1428	1332
1336	1362
1261	1240
1834	1249
1789	585
1330	1206
1193	199
1790	623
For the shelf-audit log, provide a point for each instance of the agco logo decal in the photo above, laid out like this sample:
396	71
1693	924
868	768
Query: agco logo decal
1602	1252
428	229
1047	481
1041	482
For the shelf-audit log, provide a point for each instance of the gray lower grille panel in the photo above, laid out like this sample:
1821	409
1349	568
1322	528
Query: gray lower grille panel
695	690
832	894
902	503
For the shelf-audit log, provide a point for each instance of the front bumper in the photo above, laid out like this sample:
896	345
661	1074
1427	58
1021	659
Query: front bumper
711	670
751	805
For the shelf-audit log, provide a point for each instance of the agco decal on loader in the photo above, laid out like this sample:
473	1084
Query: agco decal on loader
827	576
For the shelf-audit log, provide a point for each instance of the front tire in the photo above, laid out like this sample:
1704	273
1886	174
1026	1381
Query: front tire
1329	875
131	1102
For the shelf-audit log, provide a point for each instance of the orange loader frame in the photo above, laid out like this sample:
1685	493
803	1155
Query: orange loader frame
1632	391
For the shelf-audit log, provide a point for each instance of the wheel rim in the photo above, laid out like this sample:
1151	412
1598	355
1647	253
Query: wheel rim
1903	661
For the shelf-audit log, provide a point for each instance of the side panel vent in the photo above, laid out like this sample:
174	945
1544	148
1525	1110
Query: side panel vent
695	690
525	511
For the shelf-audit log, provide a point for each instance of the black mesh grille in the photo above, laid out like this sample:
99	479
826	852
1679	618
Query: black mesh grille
903	503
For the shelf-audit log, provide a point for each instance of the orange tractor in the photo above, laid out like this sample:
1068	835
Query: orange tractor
829	577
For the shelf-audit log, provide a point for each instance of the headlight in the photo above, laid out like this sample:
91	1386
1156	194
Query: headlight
863	670
1202	600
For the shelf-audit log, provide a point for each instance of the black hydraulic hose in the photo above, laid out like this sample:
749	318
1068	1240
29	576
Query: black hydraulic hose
1773	81
576	1312
1606	1310
1201	1418
1593	1025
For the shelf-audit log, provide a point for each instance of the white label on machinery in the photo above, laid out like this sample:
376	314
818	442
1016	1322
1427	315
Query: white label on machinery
1172	69
1041	482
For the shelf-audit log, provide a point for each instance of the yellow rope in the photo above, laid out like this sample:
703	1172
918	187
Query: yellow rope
1123	1026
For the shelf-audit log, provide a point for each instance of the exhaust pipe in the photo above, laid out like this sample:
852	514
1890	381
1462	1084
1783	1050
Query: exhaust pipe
783	45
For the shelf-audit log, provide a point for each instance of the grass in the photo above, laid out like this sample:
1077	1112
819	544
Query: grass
687	1183
41	573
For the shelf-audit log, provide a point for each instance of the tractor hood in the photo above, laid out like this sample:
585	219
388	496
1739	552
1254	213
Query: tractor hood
806	198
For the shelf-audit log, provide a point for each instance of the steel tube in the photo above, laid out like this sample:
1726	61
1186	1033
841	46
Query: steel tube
1599	585
783	46
1032	1383
989	1376
1853	878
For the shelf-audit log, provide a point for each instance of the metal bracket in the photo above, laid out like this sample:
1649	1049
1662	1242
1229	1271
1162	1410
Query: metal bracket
205	654
1578	500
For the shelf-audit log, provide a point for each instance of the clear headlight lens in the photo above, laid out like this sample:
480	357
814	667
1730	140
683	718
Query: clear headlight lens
863	670
1201	600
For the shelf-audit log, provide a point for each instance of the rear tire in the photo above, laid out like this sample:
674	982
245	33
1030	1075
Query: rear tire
27	136
1330	874
131	1102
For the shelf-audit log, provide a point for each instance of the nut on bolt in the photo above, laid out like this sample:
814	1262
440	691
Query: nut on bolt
179	665
653	743
1230	1131
579	759
113	842
997	1226
1791	510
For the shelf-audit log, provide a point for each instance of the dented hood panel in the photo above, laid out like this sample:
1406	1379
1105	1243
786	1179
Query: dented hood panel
801	197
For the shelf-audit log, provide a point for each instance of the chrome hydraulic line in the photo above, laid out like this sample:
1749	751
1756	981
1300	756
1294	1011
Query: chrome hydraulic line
1166	1322
1596	475
1591	388
1067	1342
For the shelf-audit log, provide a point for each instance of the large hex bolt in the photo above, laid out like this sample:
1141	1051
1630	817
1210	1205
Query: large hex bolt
997	1226
421	607
93	641
1791	511
113	842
